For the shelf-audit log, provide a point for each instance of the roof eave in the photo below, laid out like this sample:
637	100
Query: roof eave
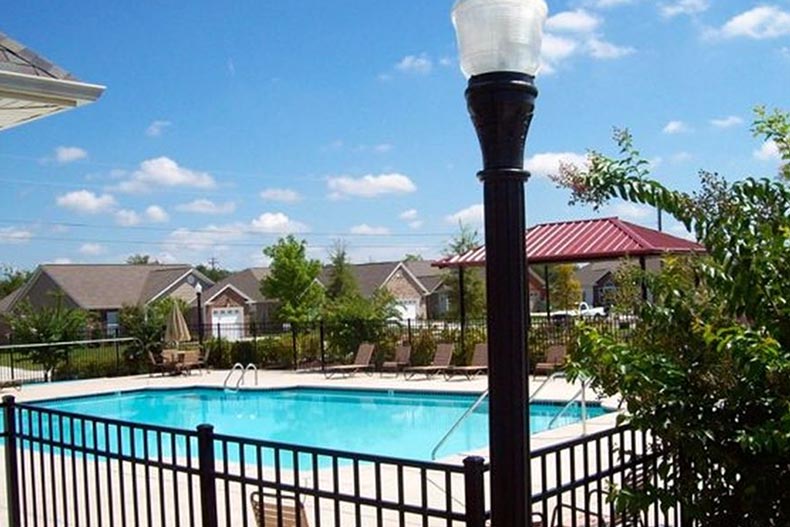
44	89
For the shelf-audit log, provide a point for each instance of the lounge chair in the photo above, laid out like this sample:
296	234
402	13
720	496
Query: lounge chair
402	360
555	358
441	361
15	383
271	510
478	365
159	363
361	363
603	513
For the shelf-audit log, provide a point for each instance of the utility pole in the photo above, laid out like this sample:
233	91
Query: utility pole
213	262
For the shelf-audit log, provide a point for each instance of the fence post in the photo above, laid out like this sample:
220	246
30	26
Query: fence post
474	491
294	344
208	488
323	348
11	342
117	353
11	468
408	328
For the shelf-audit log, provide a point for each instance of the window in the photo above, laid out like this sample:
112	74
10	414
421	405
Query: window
111	322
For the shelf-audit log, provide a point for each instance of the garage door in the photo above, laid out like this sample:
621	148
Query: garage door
407	309
228	322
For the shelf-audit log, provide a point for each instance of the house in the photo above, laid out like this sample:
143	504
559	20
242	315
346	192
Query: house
598	279
104	289
236	302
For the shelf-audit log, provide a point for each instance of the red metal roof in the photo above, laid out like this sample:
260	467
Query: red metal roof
585	241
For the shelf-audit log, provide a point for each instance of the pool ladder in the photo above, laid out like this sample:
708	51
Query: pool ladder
580	394
240	382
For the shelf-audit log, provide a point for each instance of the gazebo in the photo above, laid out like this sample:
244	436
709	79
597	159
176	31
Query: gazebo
31	87
581	241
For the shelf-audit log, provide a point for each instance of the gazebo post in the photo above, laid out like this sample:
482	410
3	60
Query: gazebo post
546	286
643	266
462	307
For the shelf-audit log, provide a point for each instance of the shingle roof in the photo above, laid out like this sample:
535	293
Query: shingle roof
17	58
7	301
369	276
96	287
247	281
585	241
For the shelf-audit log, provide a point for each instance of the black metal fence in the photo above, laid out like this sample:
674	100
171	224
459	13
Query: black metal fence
67	469
106	352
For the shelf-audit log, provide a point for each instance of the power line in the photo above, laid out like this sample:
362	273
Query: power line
241	230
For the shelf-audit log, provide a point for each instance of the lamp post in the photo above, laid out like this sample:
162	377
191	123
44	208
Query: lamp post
499	45
199	293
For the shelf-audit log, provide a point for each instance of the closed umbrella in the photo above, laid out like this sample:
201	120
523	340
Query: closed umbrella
176	329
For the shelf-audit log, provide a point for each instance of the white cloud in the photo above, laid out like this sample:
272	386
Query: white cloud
785	52
727	122
206	206
409	215
382	148
768	152
606	4
156	214
14	235
681	157
369	186
632	211
62	261
577	33
421	64
276	223
683	7
676	127
211	238
760	23
69	154
369	230
127	218
578	21
86	202
472	215
91	249
602	50
548	163
416	224
164	172
157	128
284	195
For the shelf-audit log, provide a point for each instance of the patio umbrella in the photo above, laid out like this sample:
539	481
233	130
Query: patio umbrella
176	329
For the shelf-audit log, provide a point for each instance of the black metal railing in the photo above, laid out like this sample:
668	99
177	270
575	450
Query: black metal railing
68	469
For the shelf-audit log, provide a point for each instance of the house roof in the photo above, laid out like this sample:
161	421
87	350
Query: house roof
32	87
107	286
247	282
430	276
586	241
591	274
368	276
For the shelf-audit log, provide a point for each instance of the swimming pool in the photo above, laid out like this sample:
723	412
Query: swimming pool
386	423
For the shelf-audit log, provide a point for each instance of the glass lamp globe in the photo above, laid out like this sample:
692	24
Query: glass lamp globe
499	35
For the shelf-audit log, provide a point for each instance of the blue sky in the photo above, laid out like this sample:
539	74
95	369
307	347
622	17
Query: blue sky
225	124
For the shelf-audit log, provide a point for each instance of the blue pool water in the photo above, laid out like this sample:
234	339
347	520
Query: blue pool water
385	423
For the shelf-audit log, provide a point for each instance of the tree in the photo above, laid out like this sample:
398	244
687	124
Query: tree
292	280
474	288
412	257
48	325
141	259
146	324
566	290
708	368
341	280
12	279
215	274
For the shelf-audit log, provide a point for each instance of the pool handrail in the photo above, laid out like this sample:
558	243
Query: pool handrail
579	395
457	423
